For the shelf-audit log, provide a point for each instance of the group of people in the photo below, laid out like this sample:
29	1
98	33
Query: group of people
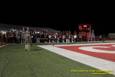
40	37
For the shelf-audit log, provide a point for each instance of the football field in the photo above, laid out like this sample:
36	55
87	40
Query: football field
40	62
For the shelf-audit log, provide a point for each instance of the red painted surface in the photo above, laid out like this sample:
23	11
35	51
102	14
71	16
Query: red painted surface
107	56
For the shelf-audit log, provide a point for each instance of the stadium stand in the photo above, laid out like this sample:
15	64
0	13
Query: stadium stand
10	33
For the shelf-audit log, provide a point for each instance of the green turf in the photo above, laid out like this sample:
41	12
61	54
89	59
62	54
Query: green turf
16	62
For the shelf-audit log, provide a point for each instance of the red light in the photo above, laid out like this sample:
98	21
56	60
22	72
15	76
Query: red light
84	25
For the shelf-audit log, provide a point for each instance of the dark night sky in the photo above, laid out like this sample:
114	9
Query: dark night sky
63	18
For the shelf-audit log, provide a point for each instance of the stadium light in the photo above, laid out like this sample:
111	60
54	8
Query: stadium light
84	25
3	32
37	32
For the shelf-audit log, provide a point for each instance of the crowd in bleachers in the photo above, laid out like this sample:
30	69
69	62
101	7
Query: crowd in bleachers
40	37
15	34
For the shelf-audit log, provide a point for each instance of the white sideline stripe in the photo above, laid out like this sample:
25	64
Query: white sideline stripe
84	44
82	58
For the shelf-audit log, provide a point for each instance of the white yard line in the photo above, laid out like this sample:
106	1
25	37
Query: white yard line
82	58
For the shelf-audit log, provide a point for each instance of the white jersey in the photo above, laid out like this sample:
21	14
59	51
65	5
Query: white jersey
75	36
49	36
63	37
27	36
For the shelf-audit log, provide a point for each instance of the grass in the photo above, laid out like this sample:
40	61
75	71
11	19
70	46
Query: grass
16	62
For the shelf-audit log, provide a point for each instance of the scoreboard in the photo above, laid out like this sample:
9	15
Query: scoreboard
84	31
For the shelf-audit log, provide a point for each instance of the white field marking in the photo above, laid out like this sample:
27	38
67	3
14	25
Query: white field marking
113	45
92	49
84	44
95	62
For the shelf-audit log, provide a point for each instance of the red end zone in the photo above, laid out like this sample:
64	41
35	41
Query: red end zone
104	51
